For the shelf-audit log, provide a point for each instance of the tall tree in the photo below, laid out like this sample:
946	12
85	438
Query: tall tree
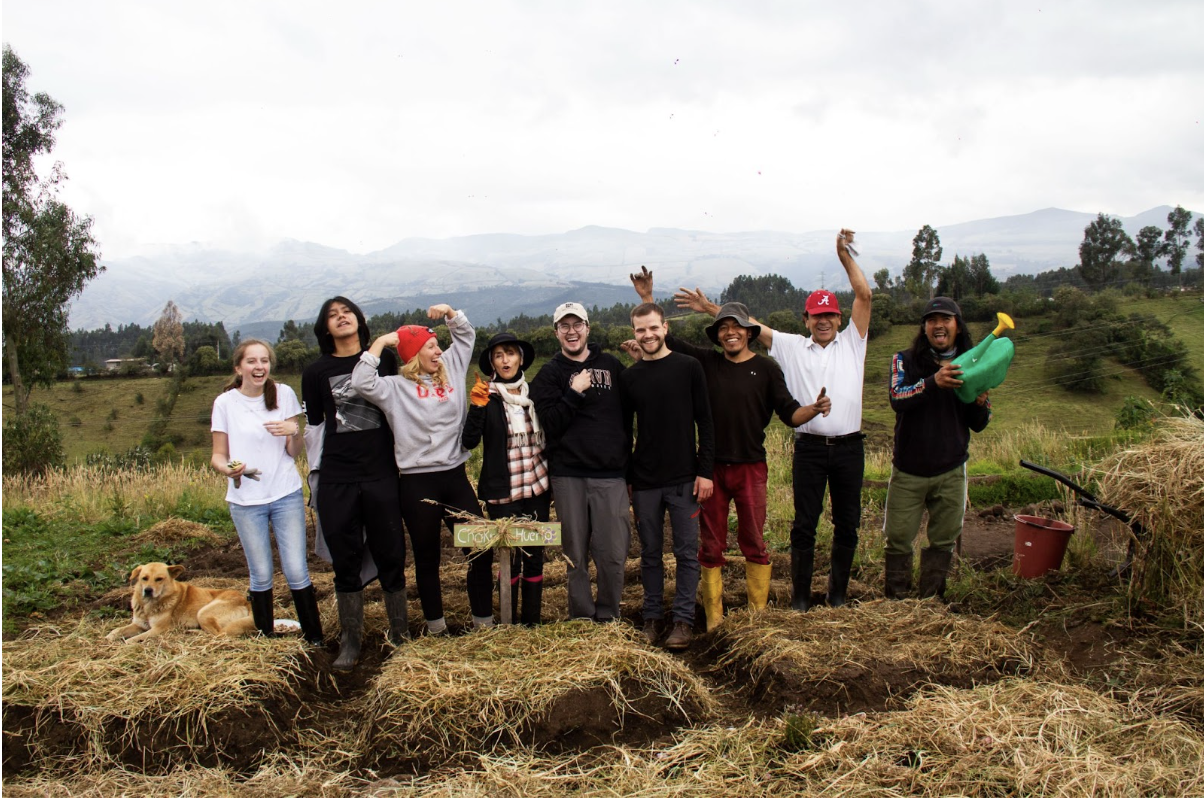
882	280
1200	242
982	280
49	252
1177	238
954	280
1146	249
1104	239
168	340
919	277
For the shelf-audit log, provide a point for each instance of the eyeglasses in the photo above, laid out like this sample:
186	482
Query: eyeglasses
567	327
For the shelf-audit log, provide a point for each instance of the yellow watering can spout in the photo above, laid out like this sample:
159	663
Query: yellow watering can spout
1005	322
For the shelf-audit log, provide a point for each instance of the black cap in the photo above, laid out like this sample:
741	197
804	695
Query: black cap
737	312
485	363
941	305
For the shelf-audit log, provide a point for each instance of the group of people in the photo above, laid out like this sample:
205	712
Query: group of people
681	432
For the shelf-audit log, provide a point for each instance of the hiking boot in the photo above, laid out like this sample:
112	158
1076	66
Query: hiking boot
679	637
654	628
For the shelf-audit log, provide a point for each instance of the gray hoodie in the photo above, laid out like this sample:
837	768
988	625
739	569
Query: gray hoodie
426	421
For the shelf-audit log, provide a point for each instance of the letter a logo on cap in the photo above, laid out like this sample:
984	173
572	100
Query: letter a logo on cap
822	302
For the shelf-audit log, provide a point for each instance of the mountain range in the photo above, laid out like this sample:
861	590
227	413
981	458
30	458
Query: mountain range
499	276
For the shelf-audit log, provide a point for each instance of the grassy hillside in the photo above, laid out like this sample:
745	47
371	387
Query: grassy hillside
111	419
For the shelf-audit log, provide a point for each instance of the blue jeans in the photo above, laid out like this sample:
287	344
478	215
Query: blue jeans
287	518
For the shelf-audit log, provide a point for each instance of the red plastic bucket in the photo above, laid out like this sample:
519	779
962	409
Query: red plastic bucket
1040	545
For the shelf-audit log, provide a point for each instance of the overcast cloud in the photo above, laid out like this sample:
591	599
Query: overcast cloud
358	124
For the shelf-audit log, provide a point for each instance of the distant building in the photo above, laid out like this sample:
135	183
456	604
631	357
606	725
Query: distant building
133	364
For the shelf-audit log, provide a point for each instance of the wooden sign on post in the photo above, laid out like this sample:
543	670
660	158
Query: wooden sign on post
505	535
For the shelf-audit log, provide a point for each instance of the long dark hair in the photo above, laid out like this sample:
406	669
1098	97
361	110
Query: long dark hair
924	360
269	387
325	338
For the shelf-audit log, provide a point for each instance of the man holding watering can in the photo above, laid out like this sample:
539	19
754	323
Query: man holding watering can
932	439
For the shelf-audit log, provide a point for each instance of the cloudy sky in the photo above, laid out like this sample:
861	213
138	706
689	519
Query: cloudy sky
358	124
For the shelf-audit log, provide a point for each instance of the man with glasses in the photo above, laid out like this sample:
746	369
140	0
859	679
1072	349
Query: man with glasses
576	397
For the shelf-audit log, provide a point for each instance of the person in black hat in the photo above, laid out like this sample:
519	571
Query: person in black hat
514	472
932	440
745	390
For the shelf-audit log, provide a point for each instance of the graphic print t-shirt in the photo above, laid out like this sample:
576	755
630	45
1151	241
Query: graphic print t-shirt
358	444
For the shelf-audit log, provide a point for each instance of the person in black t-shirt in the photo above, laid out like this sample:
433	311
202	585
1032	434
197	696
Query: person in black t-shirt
357	489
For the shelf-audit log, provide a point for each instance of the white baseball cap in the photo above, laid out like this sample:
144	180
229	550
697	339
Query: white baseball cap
570	308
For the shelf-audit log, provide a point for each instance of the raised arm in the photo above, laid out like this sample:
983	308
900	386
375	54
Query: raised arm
862	296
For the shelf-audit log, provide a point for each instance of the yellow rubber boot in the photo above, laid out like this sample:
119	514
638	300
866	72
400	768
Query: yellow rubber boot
710	586
757	577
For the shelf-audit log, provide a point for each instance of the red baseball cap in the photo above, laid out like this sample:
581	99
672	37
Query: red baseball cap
822	302
410	339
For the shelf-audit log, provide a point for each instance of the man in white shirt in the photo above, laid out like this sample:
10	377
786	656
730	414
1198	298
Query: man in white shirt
828	449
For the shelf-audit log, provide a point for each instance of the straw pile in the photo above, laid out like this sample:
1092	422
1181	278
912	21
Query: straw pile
863	657
519	685
280	775
1172	682
144	701
1015	738
1162	484
178	530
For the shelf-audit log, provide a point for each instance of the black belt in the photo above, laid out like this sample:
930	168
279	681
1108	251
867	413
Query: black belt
826	440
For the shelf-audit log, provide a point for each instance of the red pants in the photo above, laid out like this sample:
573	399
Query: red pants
744	483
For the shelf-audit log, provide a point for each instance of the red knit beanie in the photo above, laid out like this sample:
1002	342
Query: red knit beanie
410	340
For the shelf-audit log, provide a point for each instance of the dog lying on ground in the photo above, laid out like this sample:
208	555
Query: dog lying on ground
160	604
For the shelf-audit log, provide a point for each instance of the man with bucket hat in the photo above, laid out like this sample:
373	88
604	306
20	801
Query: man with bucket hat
745	390
576	396
514	471
932	441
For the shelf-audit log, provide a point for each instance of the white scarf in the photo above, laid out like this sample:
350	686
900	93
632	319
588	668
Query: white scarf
517	406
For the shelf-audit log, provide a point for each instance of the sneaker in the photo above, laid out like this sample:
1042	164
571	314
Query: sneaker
680	637
654	628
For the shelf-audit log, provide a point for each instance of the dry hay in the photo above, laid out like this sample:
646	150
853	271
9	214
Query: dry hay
279	775
1162	484
1015	738
177	530
571	682
190	696
1172	682
862	657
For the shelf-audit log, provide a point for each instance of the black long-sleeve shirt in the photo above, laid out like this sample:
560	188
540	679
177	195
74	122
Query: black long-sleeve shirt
667	397
584	430
744	396
932	425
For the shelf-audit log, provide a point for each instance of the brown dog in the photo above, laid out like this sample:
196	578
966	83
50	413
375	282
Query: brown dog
160	603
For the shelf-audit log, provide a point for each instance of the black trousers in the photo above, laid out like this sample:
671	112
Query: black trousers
454	494
840	467
349	511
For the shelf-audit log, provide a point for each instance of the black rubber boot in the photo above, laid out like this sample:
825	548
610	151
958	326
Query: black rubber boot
351	619
934	568
838	577
263	612
802	564
532	602
399	620
898	576
306	602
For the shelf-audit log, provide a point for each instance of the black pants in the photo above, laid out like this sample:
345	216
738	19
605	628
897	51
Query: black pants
840	467
526	562
454	494
350	510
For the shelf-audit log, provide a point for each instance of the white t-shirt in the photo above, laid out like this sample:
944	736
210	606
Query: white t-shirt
840	368
242	419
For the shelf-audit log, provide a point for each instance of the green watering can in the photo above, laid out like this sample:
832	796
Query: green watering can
985	366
